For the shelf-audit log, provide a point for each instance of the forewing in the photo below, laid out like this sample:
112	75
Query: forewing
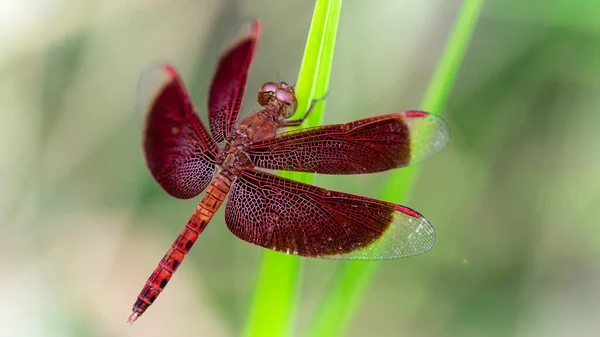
296	218
229	82
363	146
179	151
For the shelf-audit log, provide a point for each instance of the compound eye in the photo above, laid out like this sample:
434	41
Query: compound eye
288	99
266	92
269	87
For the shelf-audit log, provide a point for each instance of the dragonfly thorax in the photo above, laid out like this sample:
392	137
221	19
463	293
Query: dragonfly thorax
261	125
233	157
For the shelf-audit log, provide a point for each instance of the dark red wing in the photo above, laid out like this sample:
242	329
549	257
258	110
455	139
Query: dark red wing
229	83
364	146
296	218
179	151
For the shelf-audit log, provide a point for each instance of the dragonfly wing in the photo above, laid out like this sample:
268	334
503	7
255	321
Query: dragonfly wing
363	146
179	151
296	218
229	82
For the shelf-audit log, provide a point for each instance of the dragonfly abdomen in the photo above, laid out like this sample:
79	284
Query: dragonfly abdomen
215	194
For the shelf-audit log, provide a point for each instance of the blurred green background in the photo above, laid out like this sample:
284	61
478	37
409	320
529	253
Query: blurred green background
514	197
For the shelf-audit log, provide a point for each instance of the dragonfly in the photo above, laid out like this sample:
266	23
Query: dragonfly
265	209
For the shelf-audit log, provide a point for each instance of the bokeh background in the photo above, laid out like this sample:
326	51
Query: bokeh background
514	198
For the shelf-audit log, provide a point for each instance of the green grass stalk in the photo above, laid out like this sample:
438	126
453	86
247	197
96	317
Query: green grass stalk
272	310
350	283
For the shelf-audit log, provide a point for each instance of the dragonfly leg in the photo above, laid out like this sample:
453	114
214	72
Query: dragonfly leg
297	122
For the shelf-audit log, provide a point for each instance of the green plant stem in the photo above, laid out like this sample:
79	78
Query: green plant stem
272	310
353	277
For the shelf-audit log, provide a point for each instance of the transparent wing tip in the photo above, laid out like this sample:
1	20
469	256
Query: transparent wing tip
250	28
428	134
150	84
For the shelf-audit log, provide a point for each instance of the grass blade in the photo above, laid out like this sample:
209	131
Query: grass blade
353	277
272	310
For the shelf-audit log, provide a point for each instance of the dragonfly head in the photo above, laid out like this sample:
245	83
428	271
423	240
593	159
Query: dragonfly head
281	93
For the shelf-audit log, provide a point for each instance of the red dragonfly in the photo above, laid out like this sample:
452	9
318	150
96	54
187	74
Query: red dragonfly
265	209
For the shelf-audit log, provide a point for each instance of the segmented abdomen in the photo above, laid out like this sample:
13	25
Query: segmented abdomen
214	197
